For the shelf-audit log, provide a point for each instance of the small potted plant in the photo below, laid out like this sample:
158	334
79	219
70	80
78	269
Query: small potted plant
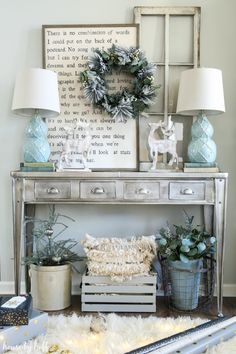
183	249
50	262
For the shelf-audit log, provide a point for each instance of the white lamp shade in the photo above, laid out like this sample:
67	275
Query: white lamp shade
201	90
36	89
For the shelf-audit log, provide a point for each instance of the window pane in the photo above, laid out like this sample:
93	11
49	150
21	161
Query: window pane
182	131
174	76
181	39
158	106
152	37
183	126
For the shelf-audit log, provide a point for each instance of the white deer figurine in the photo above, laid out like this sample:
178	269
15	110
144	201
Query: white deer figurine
74	145
161	146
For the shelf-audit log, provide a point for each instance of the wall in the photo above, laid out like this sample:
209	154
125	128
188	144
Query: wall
21	46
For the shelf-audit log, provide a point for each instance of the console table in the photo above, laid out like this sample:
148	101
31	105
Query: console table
206	189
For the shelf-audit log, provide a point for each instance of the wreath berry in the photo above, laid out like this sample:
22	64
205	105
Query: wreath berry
126	103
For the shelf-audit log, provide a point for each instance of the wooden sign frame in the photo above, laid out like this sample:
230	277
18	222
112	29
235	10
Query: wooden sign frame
66	50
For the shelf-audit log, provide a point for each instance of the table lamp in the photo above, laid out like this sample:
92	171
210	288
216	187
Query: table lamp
36	96
201	93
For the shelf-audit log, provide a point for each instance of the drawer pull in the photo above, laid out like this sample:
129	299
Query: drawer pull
98	190
143	191
187	191
53	190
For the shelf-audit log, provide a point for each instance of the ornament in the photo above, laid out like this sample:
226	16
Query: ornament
98	324
56	259
49	232
126	103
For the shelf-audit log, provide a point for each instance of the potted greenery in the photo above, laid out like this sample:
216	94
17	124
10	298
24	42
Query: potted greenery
183	248
50	262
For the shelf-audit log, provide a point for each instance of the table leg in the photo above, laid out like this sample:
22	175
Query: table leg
18	218
219	231
208	218
29	212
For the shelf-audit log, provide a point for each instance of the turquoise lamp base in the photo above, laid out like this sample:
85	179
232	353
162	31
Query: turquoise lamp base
202	149
36	147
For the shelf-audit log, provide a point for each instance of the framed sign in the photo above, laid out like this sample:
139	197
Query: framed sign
66	50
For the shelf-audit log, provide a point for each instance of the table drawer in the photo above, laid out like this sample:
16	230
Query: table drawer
187	190
97	190
141	190
52	190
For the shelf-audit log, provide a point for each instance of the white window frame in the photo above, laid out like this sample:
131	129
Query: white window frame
167	12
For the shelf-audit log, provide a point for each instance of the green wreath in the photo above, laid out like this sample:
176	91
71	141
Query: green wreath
126	103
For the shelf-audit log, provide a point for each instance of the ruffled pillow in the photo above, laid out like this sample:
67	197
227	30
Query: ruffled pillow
119	258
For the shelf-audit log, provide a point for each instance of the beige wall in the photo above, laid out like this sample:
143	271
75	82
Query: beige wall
21	46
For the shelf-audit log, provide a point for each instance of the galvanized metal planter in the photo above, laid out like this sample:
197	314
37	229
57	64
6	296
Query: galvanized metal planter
179	285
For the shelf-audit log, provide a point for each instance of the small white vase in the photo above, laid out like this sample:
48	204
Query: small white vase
51	287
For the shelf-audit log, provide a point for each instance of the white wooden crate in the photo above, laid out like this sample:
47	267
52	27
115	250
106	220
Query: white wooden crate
100	293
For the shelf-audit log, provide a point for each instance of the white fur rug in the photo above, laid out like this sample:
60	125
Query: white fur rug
73	335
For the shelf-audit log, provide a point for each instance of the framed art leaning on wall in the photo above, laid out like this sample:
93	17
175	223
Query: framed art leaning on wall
170	37
67	50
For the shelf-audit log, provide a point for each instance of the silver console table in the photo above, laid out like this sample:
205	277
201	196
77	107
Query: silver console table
206	189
